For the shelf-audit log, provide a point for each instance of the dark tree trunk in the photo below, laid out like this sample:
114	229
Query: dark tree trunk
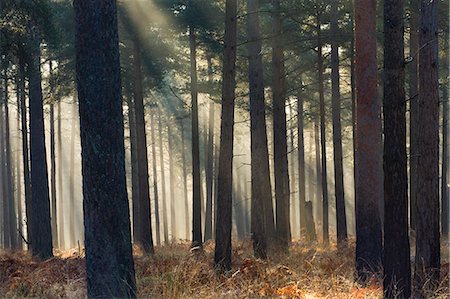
292	165
428	257
173	219
137	237
368	160
155	179
301	158
282	193
209	173
41	232
25	152
109	259
60	181
414	106
396	257
196	181
18	169
163	179
7	223
353	91
145	225
186	202
262	221
222	254
323	145
341	221
318	170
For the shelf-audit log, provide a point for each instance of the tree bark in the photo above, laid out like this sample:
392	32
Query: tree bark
145	224
222	254
318	170
186	201
323	145
18	169
7	221
155	179
209	173
40	215
72	236
368	160
428	258
282	192
54	219
301	159
173	219
109	260
196	180
60	181
341	220
396	257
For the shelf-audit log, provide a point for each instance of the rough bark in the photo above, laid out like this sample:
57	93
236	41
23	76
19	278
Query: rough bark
222	254
341	221
109	260
282	192
368	160
396	257
427	259
41	233
145	225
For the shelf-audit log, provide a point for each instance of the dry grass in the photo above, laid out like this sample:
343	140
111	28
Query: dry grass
309	271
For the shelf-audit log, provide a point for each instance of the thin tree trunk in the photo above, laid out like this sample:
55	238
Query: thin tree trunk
292	164
155	179
414	107
72	237
368	160
282	193
18	169
40	215
396	257
301	158
25	152
341	221
318	170
196	180
7	223
173	219
325	234
60	181
54	218
145	224
163	179
222	254
428	257
209	173
186	202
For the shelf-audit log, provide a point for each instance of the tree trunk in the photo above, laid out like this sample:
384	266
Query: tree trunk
222	254
209	173
427	263
196	181
72	237
301	158
109	259
396	257
414	106
155	179
173	219
323	145
145	224
368	160
318	170
25	152
341	220
282	193
137	237
163	179
41	233
292	165
7	221
60	181
186	202
18	169
54	218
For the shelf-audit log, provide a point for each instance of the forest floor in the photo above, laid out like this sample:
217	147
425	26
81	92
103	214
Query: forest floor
308	271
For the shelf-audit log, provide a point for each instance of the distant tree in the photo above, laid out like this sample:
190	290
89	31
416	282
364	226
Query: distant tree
396	257
222	254
163	178
368	159
109	260
427	260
